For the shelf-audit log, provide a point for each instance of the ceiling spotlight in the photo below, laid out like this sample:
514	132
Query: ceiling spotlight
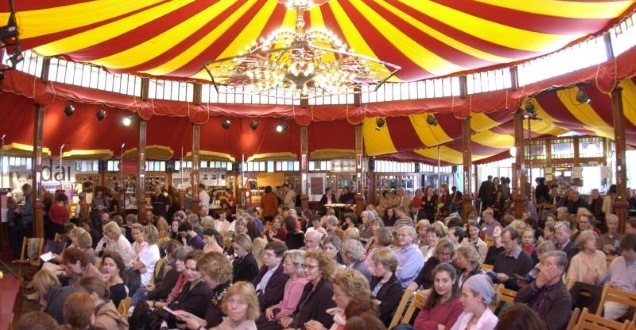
254	124
581	96
101	114
379	123
281	127
431	120
226	124
530	108
69	109
126	121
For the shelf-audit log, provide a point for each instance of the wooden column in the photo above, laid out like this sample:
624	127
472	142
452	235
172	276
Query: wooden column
304	167
620	204
38	135
194	175
519	196
466	167
359	168
141	173
371	192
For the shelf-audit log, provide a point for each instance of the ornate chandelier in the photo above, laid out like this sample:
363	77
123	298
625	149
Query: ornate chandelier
299	64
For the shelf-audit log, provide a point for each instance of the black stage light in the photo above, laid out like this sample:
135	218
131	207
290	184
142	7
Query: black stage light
379	123
69	109
101	114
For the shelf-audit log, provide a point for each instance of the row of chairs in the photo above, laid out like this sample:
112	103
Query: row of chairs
590	321
418	299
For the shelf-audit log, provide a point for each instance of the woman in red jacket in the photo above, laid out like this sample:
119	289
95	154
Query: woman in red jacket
58	214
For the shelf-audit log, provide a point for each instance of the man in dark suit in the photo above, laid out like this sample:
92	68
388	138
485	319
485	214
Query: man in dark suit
562	234
486	193
270	281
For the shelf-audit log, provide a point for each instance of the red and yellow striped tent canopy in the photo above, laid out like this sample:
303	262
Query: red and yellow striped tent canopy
172	40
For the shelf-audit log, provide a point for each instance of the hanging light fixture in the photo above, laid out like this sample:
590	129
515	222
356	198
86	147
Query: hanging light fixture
379	123
282	127
254	124
101	114
431	120
226	123
530	108
69	109
126	121
298	64
581	96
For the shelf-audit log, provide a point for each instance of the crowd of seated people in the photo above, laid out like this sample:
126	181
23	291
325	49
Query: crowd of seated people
304	270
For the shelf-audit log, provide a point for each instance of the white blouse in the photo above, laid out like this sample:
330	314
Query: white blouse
487	321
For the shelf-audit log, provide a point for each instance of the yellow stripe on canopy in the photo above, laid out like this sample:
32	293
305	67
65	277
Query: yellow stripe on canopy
629	100
352	35
428	134
423	57
376	142
447	155
161	43
480	122
108	31
57	19
452	42
569	9
494	140
494	32
584	112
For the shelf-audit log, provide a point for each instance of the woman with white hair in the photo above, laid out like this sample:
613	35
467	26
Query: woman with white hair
353	255
477	295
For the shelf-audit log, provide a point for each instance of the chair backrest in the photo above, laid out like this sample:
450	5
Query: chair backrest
589	321
123	307
490	241
418	302
486	267
618	296
399	311
573	319
585	295
609	258
506	295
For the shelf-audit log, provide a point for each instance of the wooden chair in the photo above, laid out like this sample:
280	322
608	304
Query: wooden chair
399	311
609	258
490	241
618	296
573	319
486	267
25	258
505	296
123	307
589	321
418	302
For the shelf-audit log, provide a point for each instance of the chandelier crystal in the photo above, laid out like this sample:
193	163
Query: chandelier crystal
299	64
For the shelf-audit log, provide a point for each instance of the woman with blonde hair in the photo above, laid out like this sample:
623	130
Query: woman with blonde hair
115	241
51	293
244	264
316	298
106	315
292	267
589	265
352	296
217	274
240	304
384	285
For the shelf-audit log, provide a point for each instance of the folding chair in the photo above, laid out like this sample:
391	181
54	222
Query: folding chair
123	307
419	300
506	298
589	321
31	250
573	319
399	311
618	296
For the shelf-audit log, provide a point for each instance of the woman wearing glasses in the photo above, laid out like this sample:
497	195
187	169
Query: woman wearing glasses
317	294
